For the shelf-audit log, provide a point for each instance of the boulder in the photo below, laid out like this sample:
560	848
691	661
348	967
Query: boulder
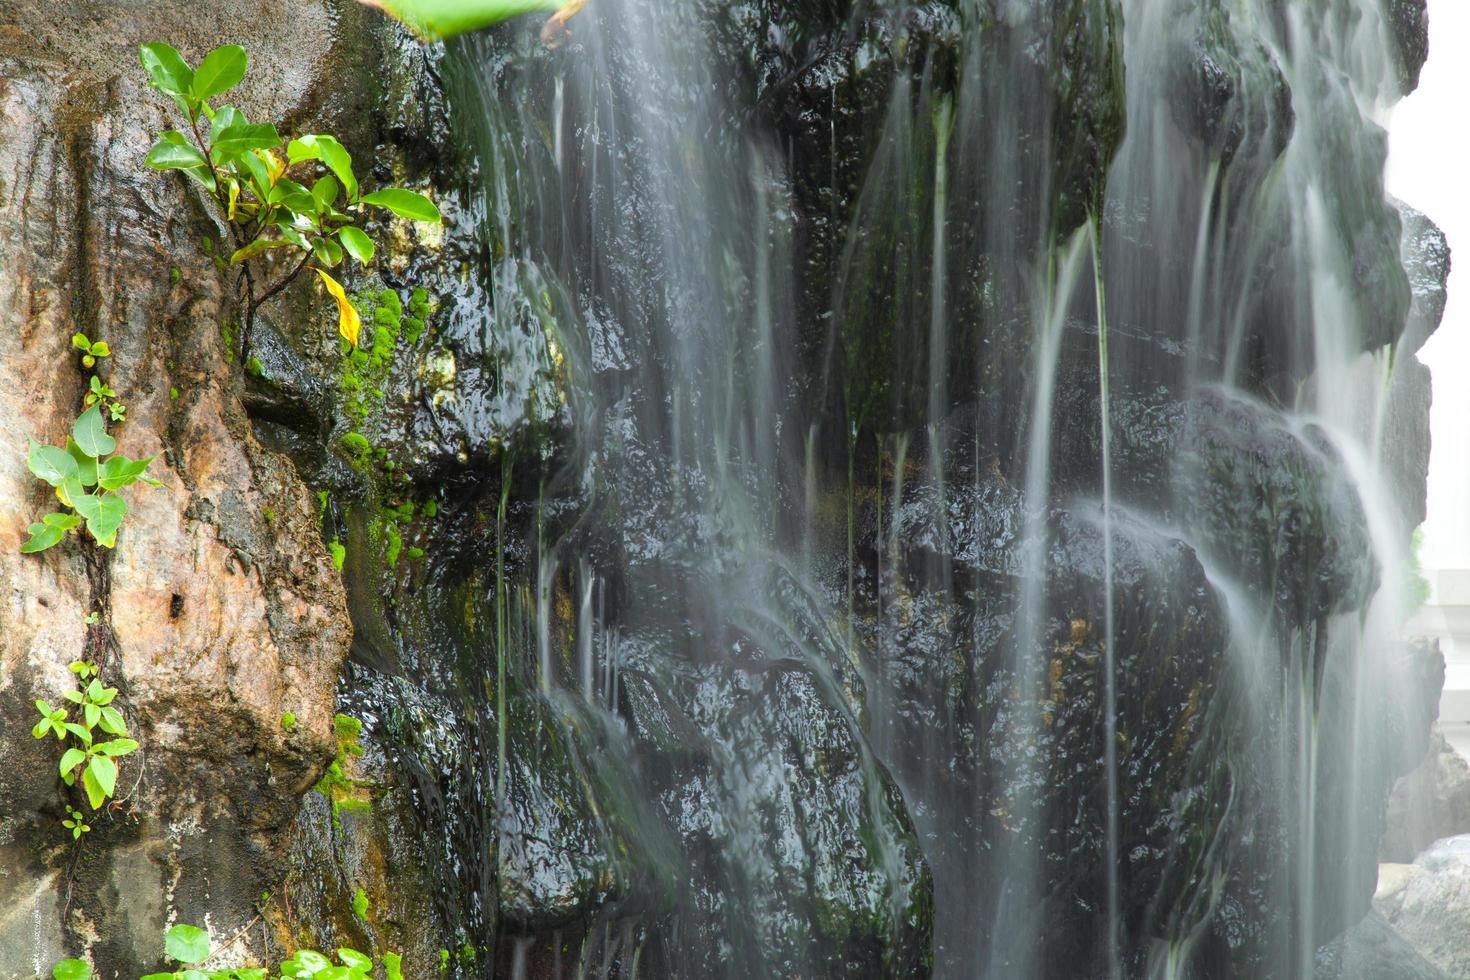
1428	904
1428	804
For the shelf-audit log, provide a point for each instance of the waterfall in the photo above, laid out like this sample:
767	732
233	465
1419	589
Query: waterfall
950	530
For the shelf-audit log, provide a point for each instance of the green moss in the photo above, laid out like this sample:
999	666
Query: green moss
356	443
360	903
288	720
338	788
395	545
339	553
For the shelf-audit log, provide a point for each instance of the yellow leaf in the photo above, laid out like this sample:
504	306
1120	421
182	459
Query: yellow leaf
273	166
234	197
348	322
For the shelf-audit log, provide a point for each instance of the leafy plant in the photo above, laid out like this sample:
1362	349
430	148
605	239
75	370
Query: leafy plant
93	760
254	177
435	20
86	473
189	947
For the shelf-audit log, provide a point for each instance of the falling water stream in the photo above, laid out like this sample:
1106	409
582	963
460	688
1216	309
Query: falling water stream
970	546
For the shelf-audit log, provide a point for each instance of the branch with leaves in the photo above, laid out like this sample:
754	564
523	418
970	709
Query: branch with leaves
87	474
255	180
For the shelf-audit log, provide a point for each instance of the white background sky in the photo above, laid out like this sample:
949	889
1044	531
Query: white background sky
1429	167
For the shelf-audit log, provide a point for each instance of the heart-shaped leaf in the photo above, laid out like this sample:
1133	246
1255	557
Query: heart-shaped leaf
119	471
71	969
187	944
50	464
91	435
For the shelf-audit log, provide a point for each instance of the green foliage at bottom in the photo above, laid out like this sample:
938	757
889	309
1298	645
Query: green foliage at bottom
189	947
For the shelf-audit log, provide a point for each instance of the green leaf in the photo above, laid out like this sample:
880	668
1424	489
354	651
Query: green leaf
173	152
119	471
298	202
328	252
259	173
71	969
220	71
81	343
187	944
112	722
167	70
100	349
86	465
62	522
392	966
112	510
159	976
351	957
315	962
48	463
224	118
71	489
328	151
357	244
41	538
91	435
236	139
79	732
104	771
255	248
435	20
404	203
95	796
326	191
294	236
70	759
91	714
116	747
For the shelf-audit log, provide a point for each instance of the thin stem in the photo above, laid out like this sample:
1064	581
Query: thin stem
255	302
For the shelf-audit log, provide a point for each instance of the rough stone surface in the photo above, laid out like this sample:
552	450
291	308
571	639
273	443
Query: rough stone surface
1428	904
1428	804
1372	950
219	607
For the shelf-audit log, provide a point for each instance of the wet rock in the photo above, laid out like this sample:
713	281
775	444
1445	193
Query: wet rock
1232	94
1274	504
1426	257
1409	23
1426	903
1372	950
1428	804
953	698
799	848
